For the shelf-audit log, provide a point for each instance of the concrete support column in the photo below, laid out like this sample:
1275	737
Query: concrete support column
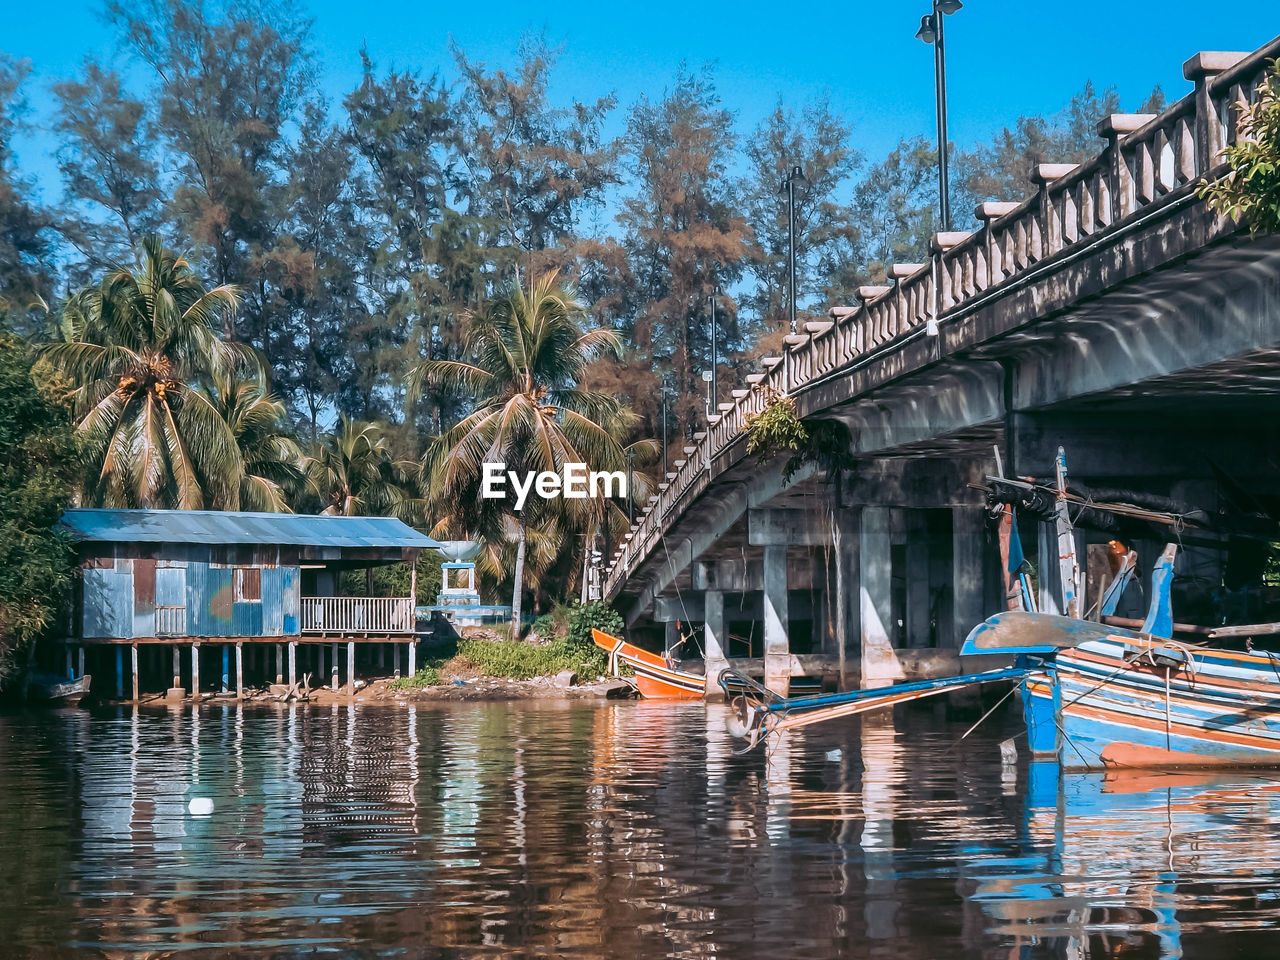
968	567
777	645
880	665
226	668
71	670
333	667
846	536
917	578
119	673
714	639
413	657
80	661
279	663
1049	595
177	667
395	656
239	671
293	662
133	669
195	671
351	666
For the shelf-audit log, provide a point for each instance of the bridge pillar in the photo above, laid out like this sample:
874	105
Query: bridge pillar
918	582
777	646
714	639
968	567
880	665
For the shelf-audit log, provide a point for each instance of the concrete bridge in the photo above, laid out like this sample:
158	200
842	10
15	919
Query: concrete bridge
1110	313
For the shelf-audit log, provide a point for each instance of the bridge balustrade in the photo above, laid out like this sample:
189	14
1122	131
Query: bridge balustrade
1158	162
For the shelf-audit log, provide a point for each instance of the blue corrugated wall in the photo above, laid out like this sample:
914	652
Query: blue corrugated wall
118	604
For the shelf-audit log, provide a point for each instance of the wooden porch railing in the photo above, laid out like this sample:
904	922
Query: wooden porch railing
1147	161
357	615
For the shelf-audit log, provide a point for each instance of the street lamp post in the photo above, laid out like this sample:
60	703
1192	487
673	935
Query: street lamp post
666	399
931	31
711	299
789	184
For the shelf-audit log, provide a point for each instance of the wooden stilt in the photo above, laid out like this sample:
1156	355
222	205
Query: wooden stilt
239	671
351	666
195	671
133	662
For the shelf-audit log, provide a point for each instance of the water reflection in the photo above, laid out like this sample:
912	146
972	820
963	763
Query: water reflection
626	830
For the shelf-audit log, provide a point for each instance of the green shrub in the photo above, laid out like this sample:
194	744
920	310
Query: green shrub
583	616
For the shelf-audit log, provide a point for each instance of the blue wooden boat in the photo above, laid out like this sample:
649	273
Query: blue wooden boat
1094	695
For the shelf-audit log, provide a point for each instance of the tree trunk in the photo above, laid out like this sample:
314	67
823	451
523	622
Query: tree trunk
518	589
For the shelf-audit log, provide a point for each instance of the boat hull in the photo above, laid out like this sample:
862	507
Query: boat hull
1133	702
655	679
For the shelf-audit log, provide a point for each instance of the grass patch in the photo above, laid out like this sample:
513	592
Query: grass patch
426	677
517	660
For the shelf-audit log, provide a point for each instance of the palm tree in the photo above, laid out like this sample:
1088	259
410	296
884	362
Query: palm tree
530	413
139	349
353	473
273	473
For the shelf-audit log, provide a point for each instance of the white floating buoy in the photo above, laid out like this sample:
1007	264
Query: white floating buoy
834	755
200	806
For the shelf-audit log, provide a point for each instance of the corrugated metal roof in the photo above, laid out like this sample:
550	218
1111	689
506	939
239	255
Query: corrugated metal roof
219	527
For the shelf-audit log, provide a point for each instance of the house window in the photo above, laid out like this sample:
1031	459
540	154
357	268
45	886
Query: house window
248	585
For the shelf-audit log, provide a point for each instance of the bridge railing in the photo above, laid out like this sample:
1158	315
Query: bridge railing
1148	160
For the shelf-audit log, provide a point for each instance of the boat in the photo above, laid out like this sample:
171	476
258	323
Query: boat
46	689
1095	695
660	677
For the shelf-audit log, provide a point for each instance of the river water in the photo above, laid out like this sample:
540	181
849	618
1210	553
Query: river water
624	830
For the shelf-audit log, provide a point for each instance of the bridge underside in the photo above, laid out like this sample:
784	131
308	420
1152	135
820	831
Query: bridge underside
1163	381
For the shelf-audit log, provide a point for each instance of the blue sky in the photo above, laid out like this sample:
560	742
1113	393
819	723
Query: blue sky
1004	58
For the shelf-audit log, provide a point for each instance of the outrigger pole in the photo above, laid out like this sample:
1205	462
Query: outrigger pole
752	718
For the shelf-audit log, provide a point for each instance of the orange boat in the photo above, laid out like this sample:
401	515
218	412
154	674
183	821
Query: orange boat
655	677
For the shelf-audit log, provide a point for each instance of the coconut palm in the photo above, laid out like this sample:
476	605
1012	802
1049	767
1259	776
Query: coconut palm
272	473
530	413
353	473
139	348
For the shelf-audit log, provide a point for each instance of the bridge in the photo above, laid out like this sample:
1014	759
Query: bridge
1111	313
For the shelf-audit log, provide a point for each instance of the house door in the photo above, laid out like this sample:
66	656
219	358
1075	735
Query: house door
171	601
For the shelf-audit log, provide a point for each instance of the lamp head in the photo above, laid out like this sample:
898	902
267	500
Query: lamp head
947	7
927	32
